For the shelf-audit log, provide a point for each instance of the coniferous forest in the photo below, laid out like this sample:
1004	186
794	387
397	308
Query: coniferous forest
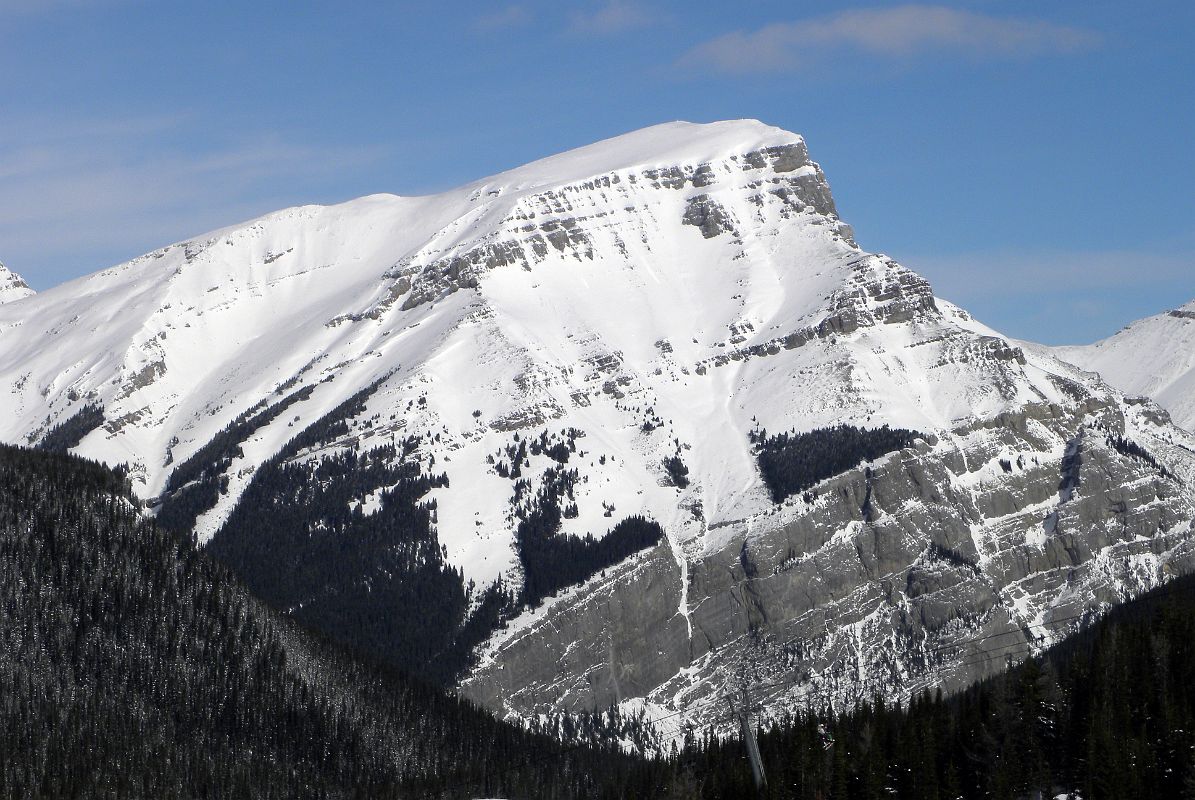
134	665
301	539
793	462
65	435
1109	713
301	543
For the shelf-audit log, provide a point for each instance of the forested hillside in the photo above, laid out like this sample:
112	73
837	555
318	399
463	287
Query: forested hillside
1109	714
132	665
602	426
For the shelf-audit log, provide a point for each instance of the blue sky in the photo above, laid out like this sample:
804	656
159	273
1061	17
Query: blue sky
1033	160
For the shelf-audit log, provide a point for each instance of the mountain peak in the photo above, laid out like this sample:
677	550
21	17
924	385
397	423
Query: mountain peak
603	351
12	286
1154	357
670	144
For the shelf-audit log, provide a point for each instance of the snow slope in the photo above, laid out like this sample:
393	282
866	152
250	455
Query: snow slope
579	291
1153	357
589	285
12	287
660	294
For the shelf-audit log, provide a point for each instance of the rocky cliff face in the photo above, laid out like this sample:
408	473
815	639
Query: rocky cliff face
927	568
537	369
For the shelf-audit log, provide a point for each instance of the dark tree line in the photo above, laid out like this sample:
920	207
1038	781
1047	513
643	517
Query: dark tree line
377	582
552	560
132	665
68	433
1109	713
793	462
1127	447
195	485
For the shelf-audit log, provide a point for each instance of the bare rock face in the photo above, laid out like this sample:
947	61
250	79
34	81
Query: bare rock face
608	330
924	569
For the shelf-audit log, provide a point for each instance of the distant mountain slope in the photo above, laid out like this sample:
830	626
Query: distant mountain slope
131	665
12	286
1153	357
497	434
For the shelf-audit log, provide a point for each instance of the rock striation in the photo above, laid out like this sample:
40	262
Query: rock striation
594	342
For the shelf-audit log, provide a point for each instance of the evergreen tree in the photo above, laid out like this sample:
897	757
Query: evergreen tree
790	463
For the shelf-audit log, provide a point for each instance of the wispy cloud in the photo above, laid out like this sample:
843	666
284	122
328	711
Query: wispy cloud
1060	296
71	189
902	31
613	16
1009	274
512	16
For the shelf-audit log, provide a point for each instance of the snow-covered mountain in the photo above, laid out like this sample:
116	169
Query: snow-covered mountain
12	287
1154	357
400	416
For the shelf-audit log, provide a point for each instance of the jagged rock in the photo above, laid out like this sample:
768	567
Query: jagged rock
706	215
12	286
570	297
848	607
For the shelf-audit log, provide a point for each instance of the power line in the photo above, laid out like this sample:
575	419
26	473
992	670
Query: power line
992	653
999	651
964	642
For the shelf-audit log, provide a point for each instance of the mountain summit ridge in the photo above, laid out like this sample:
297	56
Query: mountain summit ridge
1154	356
669	144
537	368
382	254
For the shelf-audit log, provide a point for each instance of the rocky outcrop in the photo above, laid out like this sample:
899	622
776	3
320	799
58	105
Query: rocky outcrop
12	286
657	300
707	216
879	292
924	569
560	220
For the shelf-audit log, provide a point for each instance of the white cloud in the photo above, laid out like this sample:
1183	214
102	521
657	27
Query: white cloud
901	31
614	16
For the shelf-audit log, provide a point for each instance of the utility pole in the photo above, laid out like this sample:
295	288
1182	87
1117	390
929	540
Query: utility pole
743	713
